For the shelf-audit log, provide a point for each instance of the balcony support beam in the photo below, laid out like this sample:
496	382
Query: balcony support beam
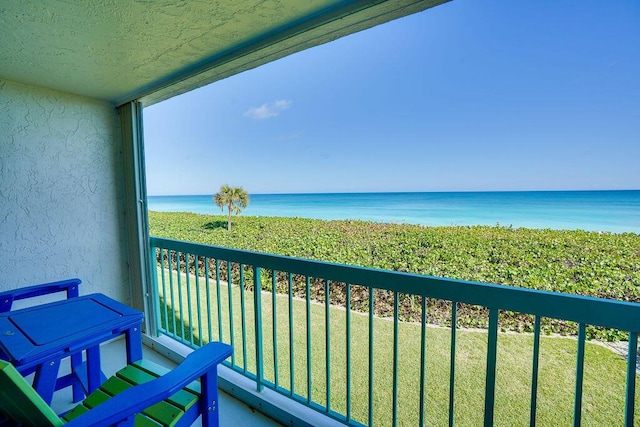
136	217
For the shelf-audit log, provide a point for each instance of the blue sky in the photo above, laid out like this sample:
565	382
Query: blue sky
468	96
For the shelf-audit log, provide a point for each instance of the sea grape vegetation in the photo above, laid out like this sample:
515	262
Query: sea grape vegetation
596	264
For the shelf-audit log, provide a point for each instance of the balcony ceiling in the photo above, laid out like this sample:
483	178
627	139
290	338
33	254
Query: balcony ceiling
120	50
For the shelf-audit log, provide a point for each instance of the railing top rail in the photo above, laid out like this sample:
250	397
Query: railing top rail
594	311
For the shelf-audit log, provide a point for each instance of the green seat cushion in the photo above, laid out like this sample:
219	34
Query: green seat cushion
166	413
157	370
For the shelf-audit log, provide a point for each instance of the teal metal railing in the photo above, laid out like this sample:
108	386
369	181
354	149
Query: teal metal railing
283	317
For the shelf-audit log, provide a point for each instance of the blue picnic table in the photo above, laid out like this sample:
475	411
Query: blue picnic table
37	339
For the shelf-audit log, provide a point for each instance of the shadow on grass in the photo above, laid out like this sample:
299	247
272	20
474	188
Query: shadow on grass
215	224
178	329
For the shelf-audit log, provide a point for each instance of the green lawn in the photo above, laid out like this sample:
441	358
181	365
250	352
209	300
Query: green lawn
603	398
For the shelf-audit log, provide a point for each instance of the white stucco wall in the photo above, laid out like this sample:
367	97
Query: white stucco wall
61	191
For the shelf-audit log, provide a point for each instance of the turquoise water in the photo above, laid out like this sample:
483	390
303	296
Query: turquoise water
613	211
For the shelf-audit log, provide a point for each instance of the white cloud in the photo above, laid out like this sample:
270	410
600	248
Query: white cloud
266	111
290	137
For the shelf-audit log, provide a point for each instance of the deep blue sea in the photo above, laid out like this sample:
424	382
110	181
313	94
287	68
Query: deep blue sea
613	211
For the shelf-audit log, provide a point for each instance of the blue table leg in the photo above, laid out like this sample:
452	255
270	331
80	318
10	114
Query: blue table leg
76	365
94	373
44	381
134	344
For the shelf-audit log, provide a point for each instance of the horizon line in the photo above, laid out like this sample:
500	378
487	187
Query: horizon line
408	192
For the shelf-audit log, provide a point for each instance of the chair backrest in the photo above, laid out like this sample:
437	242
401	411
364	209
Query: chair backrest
20	402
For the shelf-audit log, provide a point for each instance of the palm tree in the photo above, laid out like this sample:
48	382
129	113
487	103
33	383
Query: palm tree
234	198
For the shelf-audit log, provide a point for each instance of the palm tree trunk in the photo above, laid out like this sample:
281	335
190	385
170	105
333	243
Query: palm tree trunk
229	220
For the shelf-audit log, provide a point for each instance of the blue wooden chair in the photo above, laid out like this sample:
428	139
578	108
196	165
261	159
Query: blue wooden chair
70	286
141	394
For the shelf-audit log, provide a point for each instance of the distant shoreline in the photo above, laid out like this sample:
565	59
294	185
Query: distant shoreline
409	192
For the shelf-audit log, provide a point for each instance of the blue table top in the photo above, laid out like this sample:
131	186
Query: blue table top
52	323
34	334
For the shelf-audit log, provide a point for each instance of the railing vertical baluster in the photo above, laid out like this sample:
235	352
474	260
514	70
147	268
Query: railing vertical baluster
452	363
173	305
423	342
243	314
291	340
182	325
577	407
164	291
189	307
394	407
632	360
490	386
327	316
371	302
207	285
274	285
219	303
153	290
198	303
308	306
257	312
534	373
348	338
231	331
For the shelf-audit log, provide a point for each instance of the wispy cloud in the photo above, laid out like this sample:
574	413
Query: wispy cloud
266	111
290	137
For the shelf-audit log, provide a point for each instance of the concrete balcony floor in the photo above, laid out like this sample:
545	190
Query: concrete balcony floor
232	411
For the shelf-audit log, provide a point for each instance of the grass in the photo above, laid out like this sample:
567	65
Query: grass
604	381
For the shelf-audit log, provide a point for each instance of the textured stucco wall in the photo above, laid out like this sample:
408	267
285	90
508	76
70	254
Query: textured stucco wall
61	191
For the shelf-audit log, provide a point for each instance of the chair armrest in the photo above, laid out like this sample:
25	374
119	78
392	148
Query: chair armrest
8	297
134	400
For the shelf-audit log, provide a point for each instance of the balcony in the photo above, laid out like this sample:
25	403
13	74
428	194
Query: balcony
354	345
73	205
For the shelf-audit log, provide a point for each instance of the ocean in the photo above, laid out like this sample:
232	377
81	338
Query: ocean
607	211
